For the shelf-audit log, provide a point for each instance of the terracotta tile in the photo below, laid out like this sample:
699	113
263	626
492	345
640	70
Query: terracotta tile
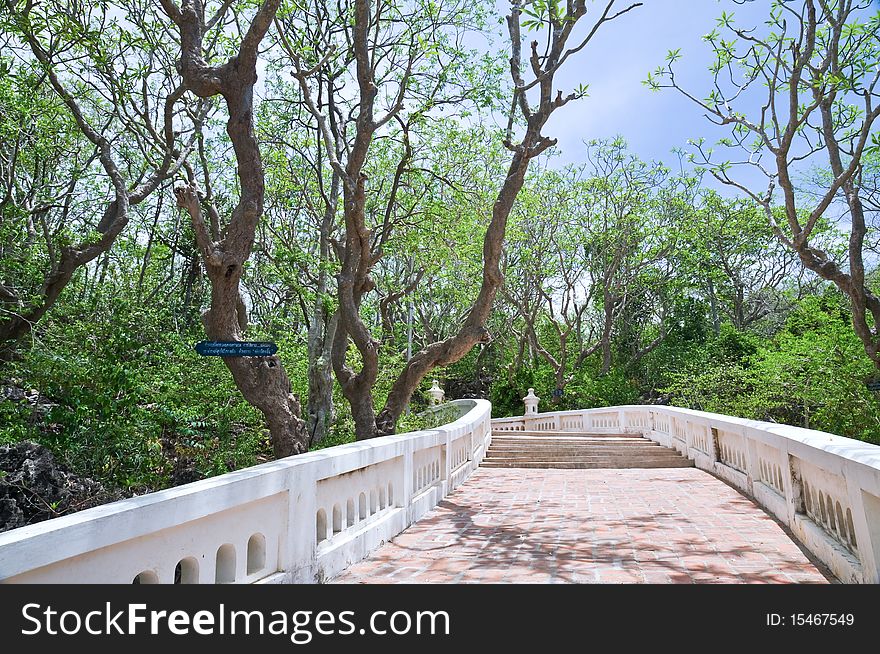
590	526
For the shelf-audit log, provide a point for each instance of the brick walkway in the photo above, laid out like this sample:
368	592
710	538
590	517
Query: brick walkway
590	526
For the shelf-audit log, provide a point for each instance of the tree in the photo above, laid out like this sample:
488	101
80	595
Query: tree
262	380
739	262
354	279
106	74
296	243
591	260
37	140
818	65
560	23
636	211
403	62
546	278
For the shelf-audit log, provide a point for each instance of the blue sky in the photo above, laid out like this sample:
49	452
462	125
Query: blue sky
619	58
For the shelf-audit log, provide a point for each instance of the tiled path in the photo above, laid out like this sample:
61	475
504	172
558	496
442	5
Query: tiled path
590	526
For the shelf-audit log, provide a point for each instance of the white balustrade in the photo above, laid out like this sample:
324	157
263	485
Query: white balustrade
571	423
603	420
305	518
436	393
508	424
300	519
825	488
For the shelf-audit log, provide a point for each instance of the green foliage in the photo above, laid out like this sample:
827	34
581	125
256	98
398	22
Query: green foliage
128	401
587	389
811	374
591	389
707	307
506	395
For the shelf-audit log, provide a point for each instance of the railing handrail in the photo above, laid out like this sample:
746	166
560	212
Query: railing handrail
854	450
307	517
824	487
28	549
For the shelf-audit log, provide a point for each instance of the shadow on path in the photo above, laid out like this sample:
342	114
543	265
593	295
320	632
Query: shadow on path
590	526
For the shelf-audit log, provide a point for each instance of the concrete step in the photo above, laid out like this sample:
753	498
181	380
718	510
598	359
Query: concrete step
552	456
621	440
586	456
578	457
579	450
566	434
569	448
575	447
680	463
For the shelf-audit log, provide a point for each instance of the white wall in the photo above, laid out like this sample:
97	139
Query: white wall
260	524
825	488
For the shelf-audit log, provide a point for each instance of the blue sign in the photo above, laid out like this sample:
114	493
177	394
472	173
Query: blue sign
873	385
236	349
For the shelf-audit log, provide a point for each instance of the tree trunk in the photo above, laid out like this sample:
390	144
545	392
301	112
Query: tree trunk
320	413
262	380
610	304
190	277
473	331
713	304
364	414
739	308
18	326
864	303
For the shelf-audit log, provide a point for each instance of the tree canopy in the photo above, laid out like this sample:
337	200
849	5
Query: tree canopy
378	188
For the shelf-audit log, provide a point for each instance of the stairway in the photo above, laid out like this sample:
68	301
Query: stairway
557	449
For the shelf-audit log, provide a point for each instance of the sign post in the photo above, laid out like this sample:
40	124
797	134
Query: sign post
236	348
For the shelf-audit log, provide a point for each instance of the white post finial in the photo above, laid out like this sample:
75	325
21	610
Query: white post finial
436	393
531	402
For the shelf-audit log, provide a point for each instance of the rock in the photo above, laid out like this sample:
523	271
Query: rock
11	516
12	393
35	487
39	404
184	473
475	387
